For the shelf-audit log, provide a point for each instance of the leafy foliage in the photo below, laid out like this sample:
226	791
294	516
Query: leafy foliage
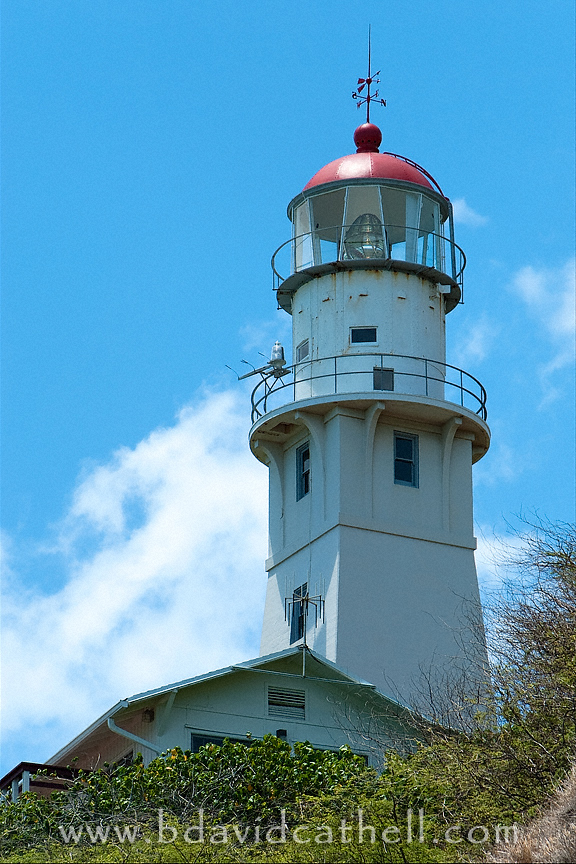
230	783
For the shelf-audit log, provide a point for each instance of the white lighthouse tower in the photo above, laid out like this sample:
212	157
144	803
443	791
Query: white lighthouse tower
370	435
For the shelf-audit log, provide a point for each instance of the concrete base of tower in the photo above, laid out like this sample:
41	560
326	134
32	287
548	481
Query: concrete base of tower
371	511
401	612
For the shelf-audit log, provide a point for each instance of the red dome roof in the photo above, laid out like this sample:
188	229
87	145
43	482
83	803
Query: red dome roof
367	162
359	165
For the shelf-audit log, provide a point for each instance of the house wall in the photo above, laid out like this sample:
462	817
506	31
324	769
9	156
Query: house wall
106	746
238	704
235	704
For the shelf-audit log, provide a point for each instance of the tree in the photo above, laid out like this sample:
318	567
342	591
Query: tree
522	740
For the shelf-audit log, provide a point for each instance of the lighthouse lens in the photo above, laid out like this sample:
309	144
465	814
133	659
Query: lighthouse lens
365	238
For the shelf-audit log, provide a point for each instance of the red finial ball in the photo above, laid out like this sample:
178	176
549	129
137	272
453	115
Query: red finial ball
367	138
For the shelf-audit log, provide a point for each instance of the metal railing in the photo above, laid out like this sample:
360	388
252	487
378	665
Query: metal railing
368	373
425	249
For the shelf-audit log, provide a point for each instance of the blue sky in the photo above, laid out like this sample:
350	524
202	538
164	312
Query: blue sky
150	150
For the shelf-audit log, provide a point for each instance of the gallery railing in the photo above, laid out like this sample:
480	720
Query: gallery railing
424	250
366	373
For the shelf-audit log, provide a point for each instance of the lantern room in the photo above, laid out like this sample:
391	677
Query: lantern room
370	210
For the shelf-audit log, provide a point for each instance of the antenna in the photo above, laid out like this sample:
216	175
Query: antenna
296	608
367	82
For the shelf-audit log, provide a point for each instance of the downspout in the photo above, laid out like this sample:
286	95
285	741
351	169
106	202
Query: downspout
135	738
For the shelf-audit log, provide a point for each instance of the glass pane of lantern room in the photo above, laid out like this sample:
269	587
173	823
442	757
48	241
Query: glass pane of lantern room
301	219
413	206
429	222
394	207
302	239
360	201
364	236
327	214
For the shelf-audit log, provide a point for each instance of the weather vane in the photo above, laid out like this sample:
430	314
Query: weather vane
367	82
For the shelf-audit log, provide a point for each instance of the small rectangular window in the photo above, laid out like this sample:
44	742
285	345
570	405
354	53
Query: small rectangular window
297	614
199	741
302	471
125	760
302	350
363	334
286	703
405	459
383	378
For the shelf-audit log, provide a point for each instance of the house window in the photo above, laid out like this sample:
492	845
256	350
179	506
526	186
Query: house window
363	334
286	703
405	459
383	378
199	741
302	471
302	350
298	612
125	760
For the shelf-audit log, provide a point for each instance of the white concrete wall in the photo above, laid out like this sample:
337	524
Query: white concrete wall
404	611
399	304
394	563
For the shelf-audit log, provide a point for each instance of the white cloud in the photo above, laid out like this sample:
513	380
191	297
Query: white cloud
474	341
465	215
550	297
504	466
549	293
261	335
164	548
489	555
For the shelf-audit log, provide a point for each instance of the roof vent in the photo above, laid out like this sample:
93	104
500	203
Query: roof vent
286	703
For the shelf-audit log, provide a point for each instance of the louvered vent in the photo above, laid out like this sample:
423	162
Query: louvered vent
286	703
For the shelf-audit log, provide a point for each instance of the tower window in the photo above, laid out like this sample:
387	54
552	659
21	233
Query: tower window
363	334
405	459
298	612
302	350
383	378
302	471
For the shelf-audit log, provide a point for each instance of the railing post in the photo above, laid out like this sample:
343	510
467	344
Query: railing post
461	388
335	375
426	373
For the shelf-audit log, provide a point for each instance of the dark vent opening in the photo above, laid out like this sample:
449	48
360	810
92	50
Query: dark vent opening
383	378
286	703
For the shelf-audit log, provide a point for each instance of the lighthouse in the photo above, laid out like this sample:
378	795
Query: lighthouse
370	434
